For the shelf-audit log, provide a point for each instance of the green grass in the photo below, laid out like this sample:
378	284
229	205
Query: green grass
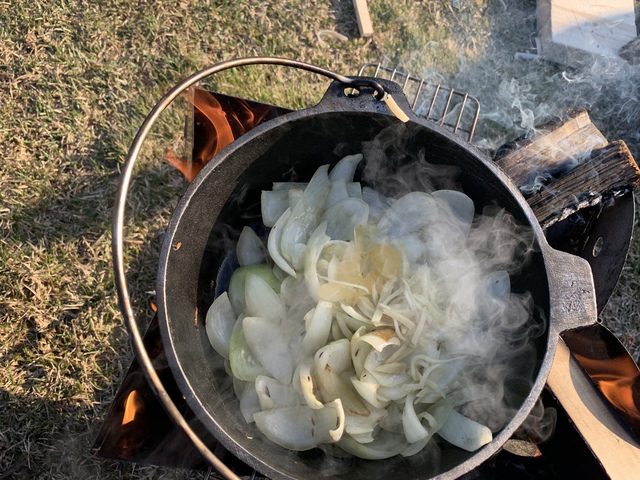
77	79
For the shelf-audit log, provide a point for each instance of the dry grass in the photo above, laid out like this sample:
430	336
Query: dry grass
77	79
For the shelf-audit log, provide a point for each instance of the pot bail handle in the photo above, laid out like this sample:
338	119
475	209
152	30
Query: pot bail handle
571	291
117	242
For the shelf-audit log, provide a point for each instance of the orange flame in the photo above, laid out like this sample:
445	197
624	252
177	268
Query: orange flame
616	380
132	405
215	127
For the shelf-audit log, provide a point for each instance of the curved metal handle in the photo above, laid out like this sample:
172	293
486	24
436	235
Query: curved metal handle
118	222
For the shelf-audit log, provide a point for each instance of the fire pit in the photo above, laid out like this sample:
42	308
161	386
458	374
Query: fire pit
131	400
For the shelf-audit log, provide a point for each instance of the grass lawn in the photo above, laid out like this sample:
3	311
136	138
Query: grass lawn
77	79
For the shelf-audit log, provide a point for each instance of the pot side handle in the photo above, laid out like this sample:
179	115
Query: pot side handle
361	95
571	291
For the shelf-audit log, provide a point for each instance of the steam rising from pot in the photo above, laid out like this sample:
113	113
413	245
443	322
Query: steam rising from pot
517	95
426	270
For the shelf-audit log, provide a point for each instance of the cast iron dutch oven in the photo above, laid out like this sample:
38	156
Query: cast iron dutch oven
226	196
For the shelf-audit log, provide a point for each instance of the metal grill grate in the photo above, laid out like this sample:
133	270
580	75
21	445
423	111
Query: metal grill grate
454	110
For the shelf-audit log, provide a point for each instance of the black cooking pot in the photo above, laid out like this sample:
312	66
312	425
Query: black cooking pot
226	196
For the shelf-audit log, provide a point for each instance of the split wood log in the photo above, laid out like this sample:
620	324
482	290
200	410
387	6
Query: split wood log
611	172
552	147
544	168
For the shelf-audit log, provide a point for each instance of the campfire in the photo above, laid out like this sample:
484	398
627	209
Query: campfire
604	173
579	186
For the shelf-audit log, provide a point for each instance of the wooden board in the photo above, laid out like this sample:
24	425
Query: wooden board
616	449
572	31
364	19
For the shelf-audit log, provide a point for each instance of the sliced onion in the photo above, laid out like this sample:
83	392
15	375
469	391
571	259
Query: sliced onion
359	351
335	356
354	189
386	445
261	300
368	391
307	384
464	432
275	394
269	347
389	369
318	330
328	364
317	241
296	298
345	168
381	338
244	365
459	204
237	284
219	323
304	218
408	214
411	425
250	249
343	217
273	243
295	194
374	359
249	402
273	204
337	192
414	247
302	428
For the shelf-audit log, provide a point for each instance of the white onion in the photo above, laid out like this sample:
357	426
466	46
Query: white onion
274	394
343	217
346	168
219	323
269	346
302	428
464	432
346	338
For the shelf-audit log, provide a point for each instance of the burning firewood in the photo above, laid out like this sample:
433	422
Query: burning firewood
566	168
611	172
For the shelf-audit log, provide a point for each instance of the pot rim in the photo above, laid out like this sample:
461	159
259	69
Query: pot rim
549	255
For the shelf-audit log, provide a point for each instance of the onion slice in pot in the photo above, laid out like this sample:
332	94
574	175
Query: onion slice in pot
302	428
219	323
269	347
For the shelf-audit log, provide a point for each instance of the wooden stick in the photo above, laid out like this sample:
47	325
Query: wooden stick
610	172
364	19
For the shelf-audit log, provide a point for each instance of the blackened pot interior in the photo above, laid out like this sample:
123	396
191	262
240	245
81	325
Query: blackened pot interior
224	198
